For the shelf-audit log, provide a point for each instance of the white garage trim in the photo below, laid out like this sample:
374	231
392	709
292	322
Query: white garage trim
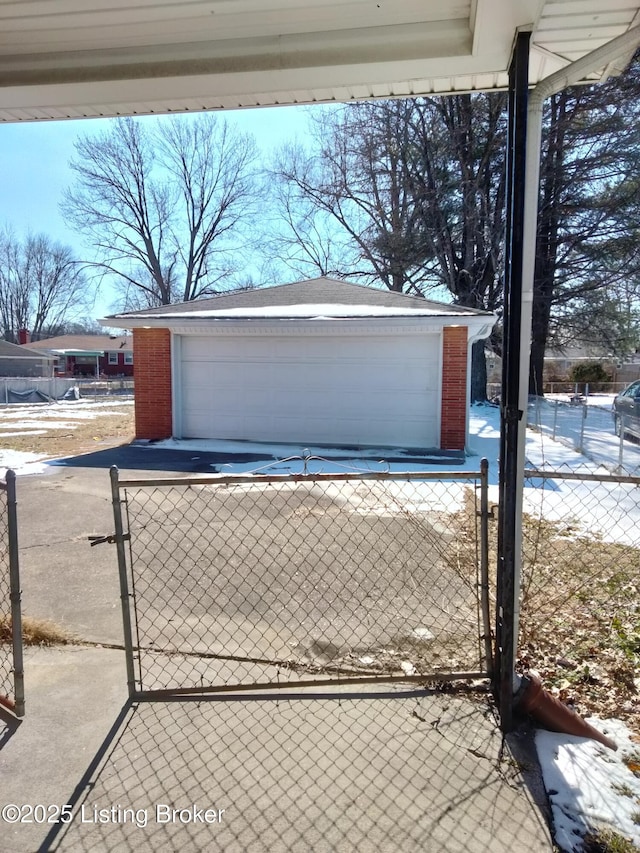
176	385
336	388
282	327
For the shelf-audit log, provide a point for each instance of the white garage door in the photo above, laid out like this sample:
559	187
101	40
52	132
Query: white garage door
326	389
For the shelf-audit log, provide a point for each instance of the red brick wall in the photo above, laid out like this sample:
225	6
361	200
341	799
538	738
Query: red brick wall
454	388
152	349
119	369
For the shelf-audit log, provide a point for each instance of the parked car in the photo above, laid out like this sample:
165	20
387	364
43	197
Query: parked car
626	411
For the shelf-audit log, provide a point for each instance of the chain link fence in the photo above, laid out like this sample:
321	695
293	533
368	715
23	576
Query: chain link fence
287	580
588	429
11	669
580	602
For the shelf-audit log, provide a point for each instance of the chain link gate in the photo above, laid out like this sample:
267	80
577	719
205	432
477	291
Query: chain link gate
259	581
11	657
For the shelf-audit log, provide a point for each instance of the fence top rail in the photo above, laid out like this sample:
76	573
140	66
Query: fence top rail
534	473
239	479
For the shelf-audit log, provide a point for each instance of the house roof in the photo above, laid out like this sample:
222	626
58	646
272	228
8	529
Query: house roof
320	297
83	344
83	58
9	350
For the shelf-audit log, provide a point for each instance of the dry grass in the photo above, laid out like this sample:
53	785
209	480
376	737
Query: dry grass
607	841
580	612
580	618
36	632
88	434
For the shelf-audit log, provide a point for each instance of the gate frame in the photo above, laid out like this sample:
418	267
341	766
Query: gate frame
120	536
17	706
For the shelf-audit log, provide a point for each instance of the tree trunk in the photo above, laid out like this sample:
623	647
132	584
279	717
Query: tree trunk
478	373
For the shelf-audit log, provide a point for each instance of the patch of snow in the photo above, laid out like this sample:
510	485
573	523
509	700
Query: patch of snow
5	434
82	408
35	424
25	420
422	634
589	786
21	462
319	311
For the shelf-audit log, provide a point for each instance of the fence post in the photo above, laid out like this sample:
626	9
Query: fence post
582	423
621	445
124	585
484	565
555	418
15	593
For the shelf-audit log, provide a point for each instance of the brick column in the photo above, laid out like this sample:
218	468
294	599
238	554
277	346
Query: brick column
152	371
454	388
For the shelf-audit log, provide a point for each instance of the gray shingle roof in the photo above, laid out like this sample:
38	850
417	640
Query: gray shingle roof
311	292
90	343
9	350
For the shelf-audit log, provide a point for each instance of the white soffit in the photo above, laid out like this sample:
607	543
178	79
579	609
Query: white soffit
86	58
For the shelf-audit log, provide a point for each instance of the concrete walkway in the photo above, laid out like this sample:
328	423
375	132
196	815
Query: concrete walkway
301	771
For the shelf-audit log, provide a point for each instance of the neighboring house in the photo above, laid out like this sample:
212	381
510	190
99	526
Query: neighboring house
89	355
21	361
558	364
315	362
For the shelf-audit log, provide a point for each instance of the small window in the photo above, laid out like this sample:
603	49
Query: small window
113	358
128	358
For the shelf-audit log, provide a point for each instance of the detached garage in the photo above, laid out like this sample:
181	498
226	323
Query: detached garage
315	362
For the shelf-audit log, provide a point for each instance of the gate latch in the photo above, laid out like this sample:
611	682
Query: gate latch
110	539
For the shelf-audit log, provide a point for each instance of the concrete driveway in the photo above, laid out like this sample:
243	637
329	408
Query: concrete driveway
342	770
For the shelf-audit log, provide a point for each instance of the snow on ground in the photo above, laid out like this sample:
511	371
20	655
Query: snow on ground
21	462
590	430
67	410
29	419
590	786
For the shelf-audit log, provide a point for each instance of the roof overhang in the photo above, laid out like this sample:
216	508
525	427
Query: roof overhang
87	58
77	352
43	357
479	325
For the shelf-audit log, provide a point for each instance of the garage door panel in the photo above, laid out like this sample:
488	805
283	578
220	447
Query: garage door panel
402	377
332	389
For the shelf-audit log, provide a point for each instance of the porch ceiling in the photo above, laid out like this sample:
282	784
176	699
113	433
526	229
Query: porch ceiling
80	58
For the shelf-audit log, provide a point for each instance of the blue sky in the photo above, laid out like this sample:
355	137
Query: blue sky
35	156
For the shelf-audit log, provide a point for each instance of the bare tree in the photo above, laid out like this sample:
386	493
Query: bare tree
587	265
414	190
42	285
346	202
303	238
458	179
161	206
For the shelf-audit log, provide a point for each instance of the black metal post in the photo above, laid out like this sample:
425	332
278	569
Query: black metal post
511	414
15	593
124	586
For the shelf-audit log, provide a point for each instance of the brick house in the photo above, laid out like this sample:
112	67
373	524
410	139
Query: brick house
88	355
319	362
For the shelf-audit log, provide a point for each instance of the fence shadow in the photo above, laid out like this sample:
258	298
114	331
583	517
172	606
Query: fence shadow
9	725
333	771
